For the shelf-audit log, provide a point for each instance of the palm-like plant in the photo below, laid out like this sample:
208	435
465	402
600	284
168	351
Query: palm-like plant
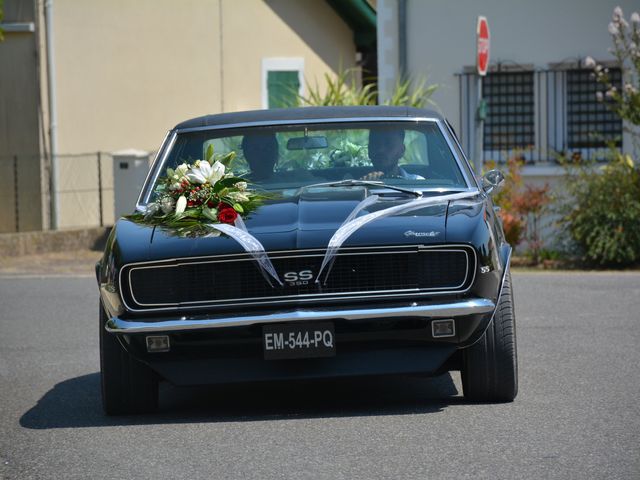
343	89
412	94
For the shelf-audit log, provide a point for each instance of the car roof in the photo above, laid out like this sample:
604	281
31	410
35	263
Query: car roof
306	113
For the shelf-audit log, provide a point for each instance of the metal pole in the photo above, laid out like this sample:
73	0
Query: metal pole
479	124
53	115
221	40
16	192
100	187
402	39
467	135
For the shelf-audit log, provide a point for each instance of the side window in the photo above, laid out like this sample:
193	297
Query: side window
282	81
510	120
590	124
441	161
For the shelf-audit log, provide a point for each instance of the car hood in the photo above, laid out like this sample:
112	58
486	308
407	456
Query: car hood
307	220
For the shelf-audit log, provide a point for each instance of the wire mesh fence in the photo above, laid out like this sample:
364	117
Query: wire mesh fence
85	192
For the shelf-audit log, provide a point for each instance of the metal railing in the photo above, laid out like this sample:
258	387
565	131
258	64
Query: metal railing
564	118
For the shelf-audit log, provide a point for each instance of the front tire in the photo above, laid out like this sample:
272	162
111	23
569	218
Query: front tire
490	366
128	386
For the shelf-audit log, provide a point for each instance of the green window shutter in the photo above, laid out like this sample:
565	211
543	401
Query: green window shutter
283	87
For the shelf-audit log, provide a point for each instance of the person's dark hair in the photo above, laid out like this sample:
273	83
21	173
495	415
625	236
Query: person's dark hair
261	153
387	134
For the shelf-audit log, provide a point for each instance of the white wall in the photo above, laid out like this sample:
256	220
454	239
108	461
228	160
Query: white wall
128	71
441	42
441	36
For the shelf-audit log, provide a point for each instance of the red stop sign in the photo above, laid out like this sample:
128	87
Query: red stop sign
482	59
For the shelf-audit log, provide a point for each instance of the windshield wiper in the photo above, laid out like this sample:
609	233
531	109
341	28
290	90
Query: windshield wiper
364	183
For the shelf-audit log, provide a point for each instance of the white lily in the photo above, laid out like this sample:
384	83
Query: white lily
238	197
182	169
206	173
181	204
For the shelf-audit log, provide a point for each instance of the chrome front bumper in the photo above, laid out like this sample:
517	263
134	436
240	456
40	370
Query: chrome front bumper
439	310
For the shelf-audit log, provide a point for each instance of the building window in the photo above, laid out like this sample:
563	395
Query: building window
590	124
282	87
282	81
509	122
544	113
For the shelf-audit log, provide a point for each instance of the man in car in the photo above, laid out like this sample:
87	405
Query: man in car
386	148
261	153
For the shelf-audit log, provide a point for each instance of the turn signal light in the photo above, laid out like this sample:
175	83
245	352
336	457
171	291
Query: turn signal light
443	328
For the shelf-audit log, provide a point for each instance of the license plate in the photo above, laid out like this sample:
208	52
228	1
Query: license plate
298	341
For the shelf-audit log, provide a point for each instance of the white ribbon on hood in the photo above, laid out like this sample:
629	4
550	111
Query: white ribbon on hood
352	224
251	245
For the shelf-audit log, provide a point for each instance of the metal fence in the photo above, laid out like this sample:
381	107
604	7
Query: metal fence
540	114
85	191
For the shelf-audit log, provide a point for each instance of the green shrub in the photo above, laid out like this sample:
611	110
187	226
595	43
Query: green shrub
521	207
601	211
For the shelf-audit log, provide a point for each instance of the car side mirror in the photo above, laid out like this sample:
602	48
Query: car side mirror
493	181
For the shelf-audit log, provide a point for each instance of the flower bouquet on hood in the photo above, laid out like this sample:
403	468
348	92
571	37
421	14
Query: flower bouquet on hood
192	198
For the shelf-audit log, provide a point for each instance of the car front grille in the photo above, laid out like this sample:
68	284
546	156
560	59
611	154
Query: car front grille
237	279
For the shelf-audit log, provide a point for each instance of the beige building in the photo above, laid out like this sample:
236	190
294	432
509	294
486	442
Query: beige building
108	75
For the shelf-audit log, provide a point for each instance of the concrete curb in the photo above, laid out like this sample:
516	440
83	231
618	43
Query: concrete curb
32	243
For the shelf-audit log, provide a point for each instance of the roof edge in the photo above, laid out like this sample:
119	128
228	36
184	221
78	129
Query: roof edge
306	113
361	17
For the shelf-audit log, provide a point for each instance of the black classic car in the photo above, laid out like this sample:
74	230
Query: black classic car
375	250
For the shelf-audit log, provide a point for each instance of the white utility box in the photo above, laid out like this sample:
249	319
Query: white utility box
130	168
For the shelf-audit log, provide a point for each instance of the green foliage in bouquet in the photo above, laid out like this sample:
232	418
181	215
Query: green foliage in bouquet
189	199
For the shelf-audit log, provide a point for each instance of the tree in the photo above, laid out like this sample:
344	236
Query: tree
624	102
1	18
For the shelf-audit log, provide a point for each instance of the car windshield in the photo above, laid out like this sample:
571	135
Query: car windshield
413	155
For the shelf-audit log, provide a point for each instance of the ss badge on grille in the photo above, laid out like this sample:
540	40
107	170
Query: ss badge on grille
295	279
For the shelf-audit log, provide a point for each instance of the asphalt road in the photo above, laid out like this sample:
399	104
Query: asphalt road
577	414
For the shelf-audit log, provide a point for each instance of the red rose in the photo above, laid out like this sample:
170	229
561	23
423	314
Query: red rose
223	206
227	215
